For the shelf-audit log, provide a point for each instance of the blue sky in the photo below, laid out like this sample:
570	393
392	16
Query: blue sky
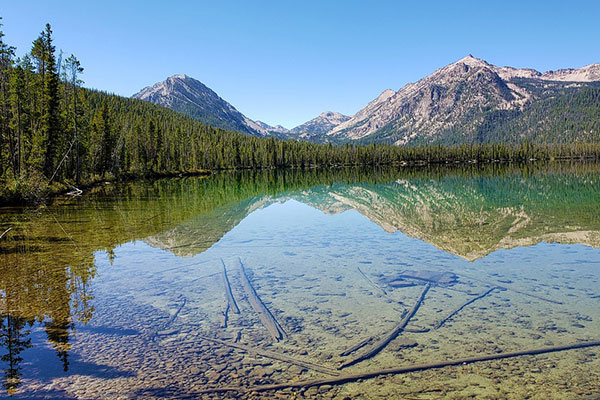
284	62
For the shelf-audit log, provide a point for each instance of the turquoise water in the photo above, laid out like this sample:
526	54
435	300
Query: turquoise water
118	293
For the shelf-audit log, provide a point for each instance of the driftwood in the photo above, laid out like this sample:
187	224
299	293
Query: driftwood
453	313
273	355
265	316
402	370
390	336
5	232
174	317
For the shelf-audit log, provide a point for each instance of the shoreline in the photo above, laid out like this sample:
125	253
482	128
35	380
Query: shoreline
56	190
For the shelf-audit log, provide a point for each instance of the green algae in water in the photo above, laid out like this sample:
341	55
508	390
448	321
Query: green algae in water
110	294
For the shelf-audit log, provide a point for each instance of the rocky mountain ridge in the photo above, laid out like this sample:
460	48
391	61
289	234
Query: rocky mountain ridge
190	96
468	101
455	100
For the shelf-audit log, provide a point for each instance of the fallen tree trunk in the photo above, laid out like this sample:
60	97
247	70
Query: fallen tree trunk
390	336
402	370
263	312
453	313
274	355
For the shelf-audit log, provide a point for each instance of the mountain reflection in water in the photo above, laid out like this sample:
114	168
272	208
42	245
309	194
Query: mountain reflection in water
52	257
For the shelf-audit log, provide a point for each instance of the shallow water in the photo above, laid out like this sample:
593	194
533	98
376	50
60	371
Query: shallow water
117	293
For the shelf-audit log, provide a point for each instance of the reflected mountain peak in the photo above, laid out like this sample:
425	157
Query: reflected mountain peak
463	215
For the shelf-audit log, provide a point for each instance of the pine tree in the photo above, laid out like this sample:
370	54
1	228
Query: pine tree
72	70
6	58
51	129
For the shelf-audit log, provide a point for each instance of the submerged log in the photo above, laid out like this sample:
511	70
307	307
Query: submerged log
265	316
453	313
273	355
390	336
402	370
230	298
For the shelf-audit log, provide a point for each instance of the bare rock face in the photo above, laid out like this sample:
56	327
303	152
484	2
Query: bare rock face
455	99
191	97
322	124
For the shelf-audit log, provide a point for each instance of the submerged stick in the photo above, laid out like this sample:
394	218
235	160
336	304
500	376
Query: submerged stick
225	315
357	346
5	232
376	286
403	370
453	313
274	355
172	319
416	330
390	336
265	316
230	298
525	293
365	342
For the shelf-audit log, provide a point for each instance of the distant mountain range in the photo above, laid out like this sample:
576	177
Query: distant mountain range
469	101
190	96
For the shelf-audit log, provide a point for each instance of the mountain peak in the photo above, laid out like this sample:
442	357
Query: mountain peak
187	95
180	76
330	114
322	124
473	61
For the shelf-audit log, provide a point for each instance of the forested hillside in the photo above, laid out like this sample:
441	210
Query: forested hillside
56	134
